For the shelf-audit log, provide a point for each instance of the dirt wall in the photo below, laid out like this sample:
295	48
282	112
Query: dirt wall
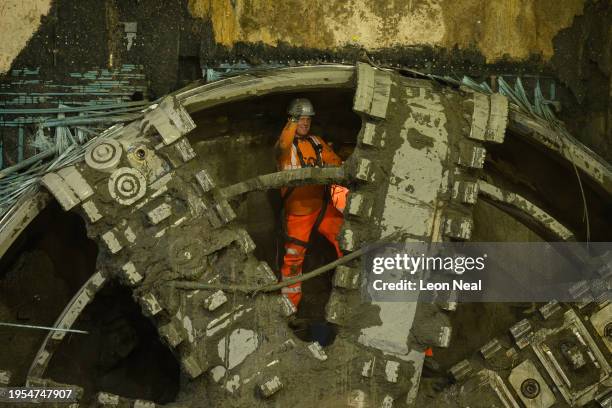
19	19
516	28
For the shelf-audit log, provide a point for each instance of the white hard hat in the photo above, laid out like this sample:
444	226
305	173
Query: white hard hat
301	107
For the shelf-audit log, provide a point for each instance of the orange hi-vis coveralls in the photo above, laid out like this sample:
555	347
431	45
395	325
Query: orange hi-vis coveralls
303	204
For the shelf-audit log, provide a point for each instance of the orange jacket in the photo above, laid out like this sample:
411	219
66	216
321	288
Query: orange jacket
306	199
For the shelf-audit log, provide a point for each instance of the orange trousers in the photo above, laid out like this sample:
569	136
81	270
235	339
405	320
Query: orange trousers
300	227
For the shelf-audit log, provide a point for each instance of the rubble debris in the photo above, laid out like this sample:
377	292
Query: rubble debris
5	377
317	351
270	387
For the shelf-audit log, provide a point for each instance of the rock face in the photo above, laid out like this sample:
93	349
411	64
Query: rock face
516	29
497	28
19	19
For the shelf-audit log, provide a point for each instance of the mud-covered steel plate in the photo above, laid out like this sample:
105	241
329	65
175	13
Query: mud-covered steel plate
127	185
104	155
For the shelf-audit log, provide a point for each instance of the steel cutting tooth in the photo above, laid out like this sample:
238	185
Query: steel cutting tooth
5	377
60	190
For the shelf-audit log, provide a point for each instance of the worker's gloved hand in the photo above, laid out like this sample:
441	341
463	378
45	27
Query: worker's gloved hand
294	118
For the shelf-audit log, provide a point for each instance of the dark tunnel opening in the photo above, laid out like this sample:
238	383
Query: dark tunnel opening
46	265
238	141
39	274
122	354
551	183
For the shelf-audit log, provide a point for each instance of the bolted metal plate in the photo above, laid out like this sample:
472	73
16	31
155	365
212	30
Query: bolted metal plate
530	386
127	185
602	321
104	155
185	254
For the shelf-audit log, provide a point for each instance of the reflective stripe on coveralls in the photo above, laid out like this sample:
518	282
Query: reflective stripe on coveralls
300	227
299	221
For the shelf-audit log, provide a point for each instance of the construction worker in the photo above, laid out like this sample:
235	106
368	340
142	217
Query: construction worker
306	207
